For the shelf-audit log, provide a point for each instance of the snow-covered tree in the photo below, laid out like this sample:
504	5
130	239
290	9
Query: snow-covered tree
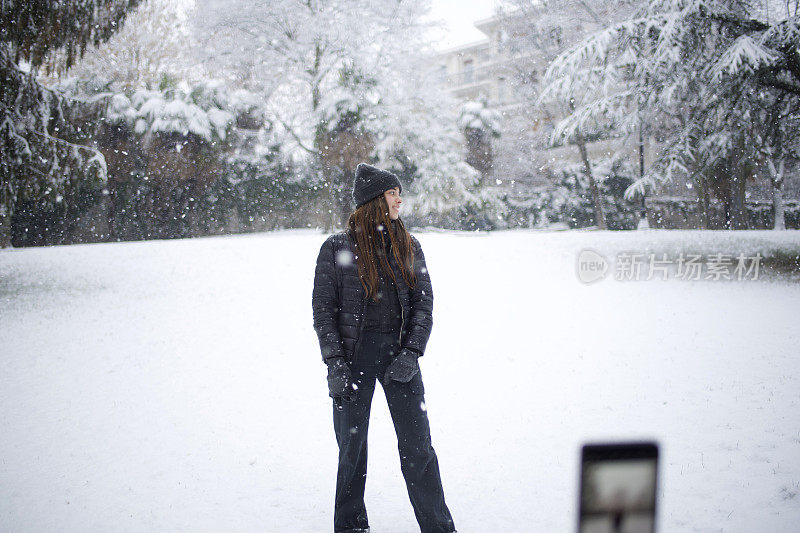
161	149
780	146
539	31
155	43
183	110
704	74
34	29
346	90
41	157
480	124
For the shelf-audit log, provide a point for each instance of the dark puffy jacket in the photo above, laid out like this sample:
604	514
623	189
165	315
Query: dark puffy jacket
338	299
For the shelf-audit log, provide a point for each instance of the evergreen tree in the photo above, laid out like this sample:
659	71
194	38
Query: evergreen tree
40	155
480	124
543	29
717	82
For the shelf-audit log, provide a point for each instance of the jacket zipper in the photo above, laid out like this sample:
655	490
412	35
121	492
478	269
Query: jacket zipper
360	330
402	312
361	322
361	318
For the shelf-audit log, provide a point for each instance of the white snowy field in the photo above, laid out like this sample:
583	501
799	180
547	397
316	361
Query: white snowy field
178	386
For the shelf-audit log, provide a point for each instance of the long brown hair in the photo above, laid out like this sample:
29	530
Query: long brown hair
370	242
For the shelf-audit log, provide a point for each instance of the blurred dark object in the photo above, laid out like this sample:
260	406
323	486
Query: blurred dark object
618	488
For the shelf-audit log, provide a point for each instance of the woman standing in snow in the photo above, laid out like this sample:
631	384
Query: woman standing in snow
373	304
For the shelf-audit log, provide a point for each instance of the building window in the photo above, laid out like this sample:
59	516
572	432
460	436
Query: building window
469	72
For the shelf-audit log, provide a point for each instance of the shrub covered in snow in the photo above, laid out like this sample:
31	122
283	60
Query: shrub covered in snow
568	200
200	111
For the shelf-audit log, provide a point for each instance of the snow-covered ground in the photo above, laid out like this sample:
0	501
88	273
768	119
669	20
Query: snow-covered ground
178	386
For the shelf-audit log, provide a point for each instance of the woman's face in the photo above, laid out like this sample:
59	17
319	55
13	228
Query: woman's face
393	200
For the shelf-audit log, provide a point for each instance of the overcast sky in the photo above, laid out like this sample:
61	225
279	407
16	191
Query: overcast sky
457	17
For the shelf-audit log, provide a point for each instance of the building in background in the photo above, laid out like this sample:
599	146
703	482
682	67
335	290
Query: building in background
482	68
505	68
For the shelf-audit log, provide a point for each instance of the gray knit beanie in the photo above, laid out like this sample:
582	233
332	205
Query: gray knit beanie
371	182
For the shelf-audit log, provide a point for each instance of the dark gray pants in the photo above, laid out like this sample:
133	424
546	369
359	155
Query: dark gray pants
417	458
